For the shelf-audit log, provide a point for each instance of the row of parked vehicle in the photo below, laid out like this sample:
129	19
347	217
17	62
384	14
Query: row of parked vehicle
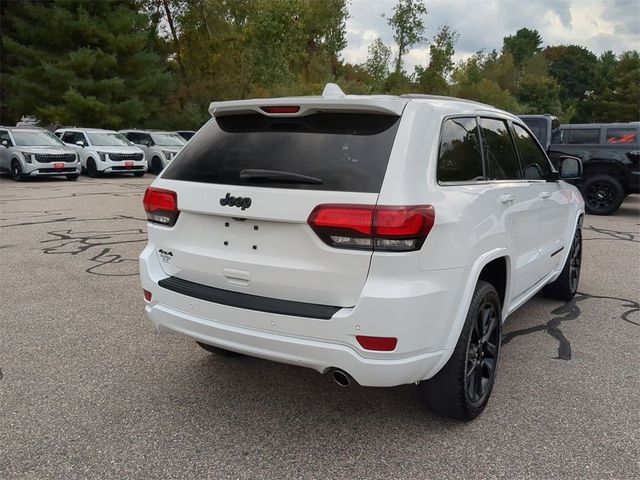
29	151
610	154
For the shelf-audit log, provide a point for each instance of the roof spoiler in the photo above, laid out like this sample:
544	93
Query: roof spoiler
333	99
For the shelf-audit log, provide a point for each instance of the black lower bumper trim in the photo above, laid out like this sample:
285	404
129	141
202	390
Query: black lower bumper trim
246	301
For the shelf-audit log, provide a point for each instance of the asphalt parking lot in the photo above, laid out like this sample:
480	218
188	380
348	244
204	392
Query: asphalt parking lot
89	390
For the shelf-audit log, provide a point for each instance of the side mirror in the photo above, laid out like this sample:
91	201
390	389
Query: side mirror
80	143
570	168
5	143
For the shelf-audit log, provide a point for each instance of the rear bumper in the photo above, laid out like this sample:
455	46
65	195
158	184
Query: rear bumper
309	353
418	312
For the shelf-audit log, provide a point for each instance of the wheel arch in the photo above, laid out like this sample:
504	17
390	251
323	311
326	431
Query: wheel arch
603	167
492	258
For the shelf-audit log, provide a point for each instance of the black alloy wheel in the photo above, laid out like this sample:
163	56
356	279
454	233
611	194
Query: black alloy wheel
566	285
602	194
482	354
156	166
461	389
16	171
575	261
92	169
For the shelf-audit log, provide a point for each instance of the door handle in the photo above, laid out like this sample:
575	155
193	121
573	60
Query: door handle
545	195
506	198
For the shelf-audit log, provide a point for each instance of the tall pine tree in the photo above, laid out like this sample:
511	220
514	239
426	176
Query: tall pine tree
82	62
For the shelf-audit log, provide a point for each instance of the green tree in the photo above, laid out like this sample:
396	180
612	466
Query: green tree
80	62
619	99
408	27
574	68
524	44
377	63
434	78
539	94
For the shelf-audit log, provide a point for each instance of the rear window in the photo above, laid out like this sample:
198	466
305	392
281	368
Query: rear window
621	135
347	152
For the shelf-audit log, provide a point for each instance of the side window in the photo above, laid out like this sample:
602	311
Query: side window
535	165
83	138
499	152
145	139
621	135
4	136
459	158
68	137
133	137
584	135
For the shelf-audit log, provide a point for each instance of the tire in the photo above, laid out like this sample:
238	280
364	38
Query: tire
566	285
603	194
462	388
138	174
92	169
73	177
156	166
16	171
219	351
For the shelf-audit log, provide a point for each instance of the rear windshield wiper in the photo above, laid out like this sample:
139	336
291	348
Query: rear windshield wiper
277	176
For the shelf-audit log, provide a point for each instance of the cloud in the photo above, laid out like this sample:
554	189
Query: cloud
598	25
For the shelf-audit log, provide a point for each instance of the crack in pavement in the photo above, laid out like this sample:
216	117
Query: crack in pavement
567	312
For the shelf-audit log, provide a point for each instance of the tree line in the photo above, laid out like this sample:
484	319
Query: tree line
159	63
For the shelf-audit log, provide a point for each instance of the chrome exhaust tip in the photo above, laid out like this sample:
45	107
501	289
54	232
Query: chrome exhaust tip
341	377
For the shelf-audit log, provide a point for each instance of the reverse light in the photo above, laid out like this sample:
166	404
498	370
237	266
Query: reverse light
281	109
161	206
370	227
379	344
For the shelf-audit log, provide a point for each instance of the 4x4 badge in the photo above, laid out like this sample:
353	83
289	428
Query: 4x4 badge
241	202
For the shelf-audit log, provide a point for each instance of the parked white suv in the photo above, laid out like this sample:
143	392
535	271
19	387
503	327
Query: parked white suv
160	148
34	152
104	151
383	239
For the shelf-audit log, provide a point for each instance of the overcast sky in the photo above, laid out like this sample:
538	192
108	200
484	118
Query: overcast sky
598	25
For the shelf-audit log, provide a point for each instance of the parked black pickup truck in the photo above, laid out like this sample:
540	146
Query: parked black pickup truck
610	154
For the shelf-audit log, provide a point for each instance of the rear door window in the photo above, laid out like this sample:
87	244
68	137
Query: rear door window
346	152
583	135
459	157
535	165
500	156
621	135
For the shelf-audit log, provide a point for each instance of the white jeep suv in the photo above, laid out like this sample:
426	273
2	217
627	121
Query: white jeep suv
104	151
35	152
159	147
382	239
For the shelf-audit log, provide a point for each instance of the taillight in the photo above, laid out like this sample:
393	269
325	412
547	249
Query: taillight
370	227
161	206
281	109
380	344
147	295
